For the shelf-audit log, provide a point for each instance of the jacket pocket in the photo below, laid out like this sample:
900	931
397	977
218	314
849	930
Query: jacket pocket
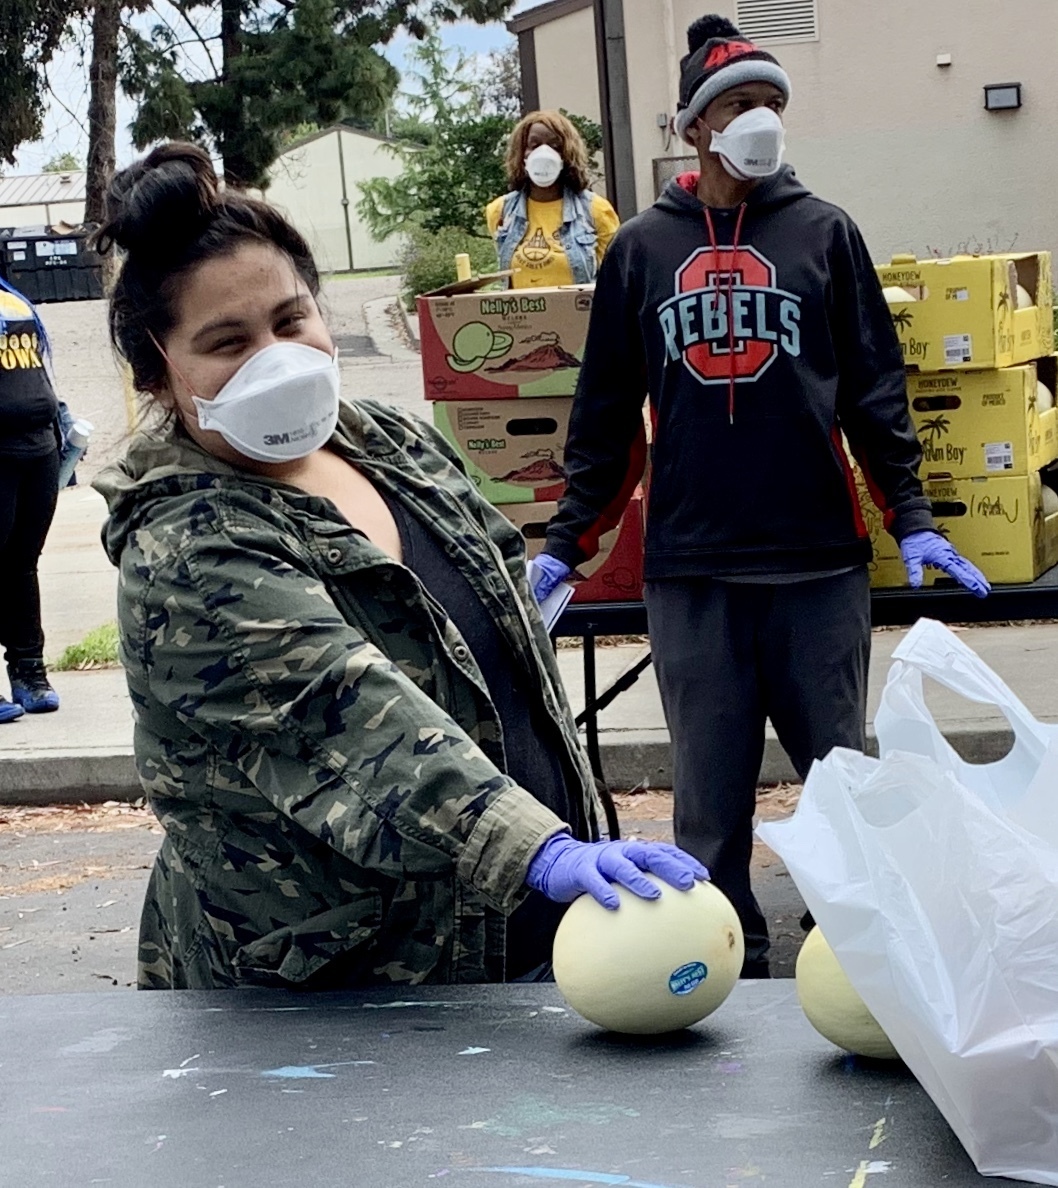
299	952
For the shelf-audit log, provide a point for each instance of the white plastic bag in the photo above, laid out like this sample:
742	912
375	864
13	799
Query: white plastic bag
936	883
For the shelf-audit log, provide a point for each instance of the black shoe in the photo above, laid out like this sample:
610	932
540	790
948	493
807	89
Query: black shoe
807	922
30	688
756	968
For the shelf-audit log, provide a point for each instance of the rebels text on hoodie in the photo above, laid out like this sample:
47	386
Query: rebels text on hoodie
761	340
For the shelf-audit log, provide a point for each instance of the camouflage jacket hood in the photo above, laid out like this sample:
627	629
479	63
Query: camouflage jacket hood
311	729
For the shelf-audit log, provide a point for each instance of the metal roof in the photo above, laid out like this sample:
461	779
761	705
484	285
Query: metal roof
38	189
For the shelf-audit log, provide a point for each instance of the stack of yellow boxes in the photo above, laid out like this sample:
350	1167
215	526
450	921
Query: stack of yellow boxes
978	341
501	369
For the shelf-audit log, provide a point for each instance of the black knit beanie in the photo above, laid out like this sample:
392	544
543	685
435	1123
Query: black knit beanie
720	58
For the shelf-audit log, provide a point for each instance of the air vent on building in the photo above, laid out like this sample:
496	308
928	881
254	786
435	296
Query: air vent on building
778	20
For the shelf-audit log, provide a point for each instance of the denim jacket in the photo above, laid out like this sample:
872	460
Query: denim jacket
577	233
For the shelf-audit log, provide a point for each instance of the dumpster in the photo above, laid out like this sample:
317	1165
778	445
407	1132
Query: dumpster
51	263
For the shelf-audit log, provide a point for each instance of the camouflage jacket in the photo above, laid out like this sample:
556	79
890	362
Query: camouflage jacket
311	729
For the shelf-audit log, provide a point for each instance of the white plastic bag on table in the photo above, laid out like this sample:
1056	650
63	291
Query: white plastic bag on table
936	883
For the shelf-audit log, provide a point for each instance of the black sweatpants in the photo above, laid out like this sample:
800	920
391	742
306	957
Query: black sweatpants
730	655
28	494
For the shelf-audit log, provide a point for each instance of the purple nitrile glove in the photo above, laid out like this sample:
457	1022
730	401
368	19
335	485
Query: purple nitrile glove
930	548
549	571
564	868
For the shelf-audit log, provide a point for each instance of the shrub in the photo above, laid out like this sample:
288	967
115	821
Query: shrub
427	260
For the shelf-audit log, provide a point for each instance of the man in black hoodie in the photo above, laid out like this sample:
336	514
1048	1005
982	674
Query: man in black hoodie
750	311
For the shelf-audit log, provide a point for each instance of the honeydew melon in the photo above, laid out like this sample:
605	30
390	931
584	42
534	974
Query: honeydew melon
653	965
832	1005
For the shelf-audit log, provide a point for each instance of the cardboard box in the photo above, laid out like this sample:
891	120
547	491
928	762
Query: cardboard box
615	573
964	310
998	524
503	344
887	567
977	423
512	449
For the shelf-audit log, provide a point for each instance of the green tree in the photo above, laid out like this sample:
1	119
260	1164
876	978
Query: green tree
446	181
592	135
455	164
30	33
500	87
273	65
63	163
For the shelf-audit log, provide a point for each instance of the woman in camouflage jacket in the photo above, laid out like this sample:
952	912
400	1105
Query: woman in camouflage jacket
319	741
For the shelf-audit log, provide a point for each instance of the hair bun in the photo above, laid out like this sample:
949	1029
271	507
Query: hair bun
706	28
161	203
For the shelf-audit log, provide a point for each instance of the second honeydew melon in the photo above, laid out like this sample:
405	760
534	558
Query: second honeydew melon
831	1003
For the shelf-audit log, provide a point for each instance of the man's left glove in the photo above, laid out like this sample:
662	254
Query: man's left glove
930	548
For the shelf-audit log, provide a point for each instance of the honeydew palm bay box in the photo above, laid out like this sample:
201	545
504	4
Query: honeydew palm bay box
971	312
973	424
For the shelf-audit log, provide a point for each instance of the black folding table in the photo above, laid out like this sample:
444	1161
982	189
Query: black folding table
889	608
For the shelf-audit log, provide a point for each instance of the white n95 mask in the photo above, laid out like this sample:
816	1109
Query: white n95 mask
752	145
544	165
282	403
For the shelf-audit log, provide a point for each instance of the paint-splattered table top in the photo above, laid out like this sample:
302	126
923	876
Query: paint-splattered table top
469	1087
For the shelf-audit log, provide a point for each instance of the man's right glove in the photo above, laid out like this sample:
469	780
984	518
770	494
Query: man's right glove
564	868
547	572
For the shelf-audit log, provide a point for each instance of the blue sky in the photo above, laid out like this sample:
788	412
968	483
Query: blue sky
65	122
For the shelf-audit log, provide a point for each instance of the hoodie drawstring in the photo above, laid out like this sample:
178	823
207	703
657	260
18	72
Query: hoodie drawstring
730	293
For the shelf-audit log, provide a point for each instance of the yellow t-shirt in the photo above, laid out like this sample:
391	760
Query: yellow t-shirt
539	260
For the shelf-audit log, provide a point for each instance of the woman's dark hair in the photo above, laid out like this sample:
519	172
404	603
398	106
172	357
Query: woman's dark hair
169	214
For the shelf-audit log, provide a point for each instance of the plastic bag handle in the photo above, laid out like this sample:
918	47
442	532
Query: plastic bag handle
935	651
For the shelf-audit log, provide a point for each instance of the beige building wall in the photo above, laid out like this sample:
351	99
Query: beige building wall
307	183
875	124
42	216
565	64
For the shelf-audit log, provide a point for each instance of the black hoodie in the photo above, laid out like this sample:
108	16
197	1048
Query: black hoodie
748	475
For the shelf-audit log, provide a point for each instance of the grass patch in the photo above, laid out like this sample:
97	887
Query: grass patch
98	649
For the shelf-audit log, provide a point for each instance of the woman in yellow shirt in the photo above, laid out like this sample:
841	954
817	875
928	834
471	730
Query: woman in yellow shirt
551	229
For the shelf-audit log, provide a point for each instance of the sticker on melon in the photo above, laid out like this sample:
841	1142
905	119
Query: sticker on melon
653	965
832	1005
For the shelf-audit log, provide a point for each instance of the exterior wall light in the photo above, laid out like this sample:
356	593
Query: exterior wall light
1002	96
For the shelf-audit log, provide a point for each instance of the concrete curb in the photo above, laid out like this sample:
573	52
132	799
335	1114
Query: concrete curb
411	324
634	759
642	759
378	316
69	777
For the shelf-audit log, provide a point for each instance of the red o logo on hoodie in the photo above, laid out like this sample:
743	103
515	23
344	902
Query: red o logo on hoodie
715	342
